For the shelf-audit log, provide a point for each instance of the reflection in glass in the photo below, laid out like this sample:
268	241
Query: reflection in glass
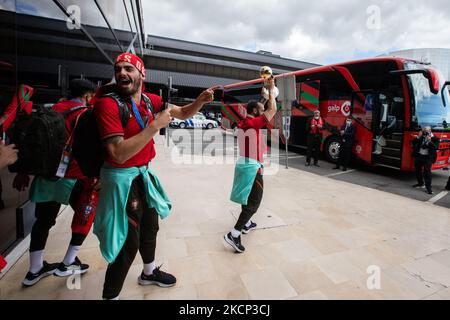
429	109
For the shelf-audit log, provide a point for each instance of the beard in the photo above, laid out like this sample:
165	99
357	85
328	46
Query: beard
131	89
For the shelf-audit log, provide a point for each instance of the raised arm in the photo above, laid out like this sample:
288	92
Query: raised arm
272	103
191	109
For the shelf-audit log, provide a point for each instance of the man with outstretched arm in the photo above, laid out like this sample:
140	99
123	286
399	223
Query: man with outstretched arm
132	199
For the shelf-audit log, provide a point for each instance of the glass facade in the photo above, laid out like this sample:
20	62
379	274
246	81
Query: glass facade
44	49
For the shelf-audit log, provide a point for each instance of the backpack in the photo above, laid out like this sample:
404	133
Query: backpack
40	138
87	147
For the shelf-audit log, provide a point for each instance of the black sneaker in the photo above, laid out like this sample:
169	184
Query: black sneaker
419	186
252	226
316	165
429	191
234	242
158	277
75	268
32	278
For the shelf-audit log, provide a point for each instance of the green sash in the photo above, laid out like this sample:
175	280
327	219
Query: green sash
44	190
111	220
244	177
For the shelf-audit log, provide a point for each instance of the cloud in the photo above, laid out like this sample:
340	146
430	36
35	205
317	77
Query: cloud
324	31
314	31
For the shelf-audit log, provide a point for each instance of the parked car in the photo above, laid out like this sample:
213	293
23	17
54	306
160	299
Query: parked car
216	118
197	121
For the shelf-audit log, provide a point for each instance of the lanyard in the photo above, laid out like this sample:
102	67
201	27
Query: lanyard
137	115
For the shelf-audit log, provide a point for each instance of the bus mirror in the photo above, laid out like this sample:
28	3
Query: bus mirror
430	74
433	78
447	84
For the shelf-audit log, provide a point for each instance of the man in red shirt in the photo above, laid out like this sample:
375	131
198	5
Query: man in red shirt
49	195
248	181
129	152
314	139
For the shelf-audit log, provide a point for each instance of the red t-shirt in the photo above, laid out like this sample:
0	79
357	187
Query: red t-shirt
250	138
73	172
109	123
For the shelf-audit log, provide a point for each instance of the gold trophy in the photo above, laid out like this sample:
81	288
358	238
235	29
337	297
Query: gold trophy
267	73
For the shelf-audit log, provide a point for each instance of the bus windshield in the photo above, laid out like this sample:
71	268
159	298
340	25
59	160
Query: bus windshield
429	109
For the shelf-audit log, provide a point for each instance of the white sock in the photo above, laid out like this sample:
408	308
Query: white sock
249	223
36	261
149	267
71	254
235	233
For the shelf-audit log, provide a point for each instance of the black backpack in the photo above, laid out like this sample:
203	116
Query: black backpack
87	147
40	138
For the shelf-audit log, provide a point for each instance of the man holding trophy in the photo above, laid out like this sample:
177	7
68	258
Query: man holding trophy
248	183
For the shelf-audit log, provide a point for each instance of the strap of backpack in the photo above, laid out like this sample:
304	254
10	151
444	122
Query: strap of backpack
69	111
149	104
69	141
123	107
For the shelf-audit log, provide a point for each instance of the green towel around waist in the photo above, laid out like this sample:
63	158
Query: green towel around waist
45	190
244	177
111	220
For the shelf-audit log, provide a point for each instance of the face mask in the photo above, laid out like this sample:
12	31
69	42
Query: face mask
317	117
349	123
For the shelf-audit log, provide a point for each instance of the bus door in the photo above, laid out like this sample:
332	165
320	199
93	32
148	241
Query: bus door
383	116
362	114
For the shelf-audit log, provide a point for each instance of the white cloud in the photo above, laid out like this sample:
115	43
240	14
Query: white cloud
314	31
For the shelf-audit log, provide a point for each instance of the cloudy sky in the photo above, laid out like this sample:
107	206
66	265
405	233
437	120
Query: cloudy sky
321	31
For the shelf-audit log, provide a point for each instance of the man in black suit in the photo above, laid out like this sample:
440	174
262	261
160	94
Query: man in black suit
425	147
348	131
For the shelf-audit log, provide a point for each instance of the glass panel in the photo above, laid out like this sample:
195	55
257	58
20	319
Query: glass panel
9	5
429	109
41	8
362	111
115	12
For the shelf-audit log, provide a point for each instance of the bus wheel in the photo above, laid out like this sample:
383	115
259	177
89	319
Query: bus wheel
332	149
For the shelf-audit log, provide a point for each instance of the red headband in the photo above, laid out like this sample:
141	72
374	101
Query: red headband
134	60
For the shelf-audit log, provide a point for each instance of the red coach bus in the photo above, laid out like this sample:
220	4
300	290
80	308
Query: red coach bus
390	100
